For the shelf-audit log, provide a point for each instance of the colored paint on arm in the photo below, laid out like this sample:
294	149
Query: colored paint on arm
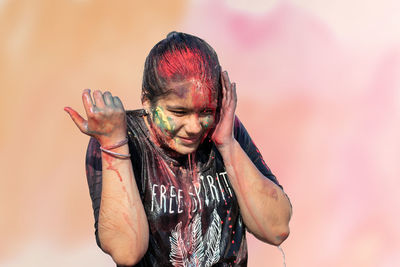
242	189
281	237
109	159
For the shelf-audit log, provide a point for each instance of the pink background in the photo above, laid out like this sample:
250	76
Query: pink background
318	87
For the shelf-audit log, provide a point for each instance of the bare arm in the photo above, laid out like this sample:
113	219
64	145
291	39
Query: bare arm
122	223
265	208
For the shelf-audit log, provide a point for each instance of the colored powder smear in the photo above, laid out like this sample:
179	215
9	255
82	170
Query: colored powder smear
162	120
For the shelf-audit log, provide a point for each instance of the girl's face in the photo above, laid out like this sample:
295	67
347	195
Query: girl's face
184	117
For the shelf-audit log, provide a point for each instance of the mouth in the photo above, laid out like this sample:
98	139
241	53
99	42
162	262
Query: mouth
190	140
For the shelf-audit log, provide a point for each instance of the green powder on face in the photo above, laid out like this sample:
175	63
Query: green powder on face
162	120
207	122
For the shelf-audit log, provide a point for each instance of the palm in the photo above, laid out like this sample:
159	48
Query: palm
106	117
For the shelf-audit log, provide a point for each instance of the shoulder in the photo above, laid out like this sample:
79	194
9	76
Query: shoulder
135	114
135	122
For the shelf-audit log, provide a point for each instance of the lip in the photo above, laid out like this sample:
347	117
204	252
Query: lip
188	140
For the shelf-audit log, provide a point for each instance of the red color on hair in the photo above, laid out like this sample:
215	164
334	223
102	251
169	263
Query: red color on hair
183	64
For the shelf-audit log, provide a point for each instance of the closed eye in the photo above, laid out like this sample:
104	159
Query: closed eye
207	112
179	112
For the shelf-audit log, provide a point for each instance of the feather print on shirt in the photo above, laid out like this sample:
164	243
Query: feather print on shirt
178	255
212	240
199	248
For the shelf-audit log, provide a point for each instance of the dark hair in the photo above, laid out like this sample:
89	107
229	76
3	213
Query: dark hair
178	57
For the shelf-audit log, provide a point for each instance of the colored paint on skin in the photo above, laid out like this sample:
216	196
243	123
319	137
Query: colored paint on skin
202	94
177	141
110	160
207	121
173	130
164	122
243	193
190	64
282	236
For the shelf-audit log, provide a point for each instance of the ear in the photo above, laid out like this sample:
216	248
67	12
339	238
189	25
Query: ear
146	104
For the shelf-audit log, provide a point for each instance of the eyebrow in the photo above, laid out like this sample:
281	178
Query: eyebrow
188	109
176	107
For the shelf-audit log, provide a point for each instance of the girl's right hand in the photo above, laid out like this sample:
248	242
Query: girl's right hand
106	117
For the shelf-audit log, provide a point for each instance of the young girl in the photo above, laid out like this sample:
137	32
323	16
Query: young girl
178	182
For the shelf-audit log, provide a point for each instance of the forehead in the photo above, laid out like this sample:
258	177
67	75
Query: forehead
192	93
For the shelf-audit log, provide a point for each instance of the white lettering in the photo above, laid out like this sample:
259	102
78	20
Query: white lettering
163	201
153	194
195	202
198	195
172	195
226	182
179	200
213	189
205	191
220	188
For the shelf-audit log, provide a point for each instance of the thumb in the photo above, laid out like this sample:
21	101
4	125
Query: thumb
79	121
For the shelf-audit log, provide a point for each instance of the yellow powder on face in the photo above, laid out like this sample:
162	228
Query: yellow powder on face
162	120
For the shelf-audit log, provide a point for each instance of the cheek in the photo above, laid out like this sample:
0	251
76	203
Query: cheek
207	121
164	122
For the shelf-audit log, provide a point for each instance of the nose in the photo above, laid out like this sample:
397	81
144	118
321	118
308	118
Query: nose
193	126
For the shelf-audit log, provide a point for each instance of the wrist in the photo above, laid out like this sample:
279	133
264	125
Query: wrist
112	141
118	144
119	149
227	147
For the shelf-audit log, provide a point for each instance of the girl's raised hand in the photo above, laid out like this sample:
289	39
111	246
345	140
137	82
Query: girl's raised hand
223	133
106	120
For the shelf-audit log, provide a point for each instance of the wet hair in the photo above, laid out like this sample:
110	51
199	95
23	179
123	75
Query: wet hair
180	57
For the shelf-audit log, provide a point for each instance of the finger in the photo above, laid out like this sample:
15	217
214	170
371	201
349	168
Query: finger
78	120
226	79
108	99
87	101
228	95
234	94
223	88
118	102
98	98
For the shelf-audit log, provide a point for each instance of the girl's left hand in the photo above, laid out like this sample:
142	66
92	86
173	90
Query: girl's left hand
223	133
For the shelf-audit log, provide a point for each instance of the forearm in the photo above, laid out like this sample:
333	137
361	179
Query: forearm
265	208
122	223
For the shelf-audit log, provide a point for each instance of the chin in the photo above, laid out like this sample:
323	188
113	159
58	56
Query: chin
185	150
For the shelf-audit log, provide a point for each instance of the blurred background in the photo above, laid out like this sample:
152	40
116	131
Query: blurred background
318	89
